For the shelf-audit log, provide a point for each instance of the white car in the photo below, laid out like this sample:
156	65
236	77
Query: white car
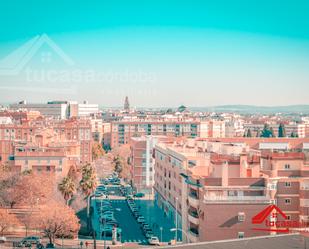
154	241
140	219
2	239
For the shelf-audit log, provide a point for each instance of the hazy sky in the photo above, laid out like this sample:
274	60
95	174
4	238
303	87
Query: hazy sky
158	52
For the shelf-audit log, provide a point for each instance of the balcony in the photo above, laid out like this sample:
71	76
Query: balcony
193	217
193	235
193	201
236	199
193	184
303	202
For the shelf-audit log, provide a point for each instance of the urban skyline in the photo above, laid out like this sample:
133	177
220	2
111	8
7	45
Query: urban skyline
148	51
154	124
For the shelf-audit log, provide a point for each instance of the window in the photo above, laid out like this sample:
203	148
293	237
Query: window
288	184
287	201
241	235
272	186
287	166
241	216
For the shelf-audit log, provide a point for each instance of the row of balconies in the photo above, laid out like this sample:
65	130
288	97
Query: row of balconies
193	217
247	199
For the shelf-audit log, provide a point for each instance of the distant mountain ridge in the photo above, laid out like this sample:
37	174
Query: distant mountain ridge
300	109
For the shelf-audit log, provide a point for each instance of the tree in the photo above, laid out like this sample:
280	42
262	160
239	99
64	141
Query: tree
120	160
21	189
281	130
249	133
67	188
294	134
267	131
118	164
88	182
9	188
7	221
58	220
97	150
258	133
245	134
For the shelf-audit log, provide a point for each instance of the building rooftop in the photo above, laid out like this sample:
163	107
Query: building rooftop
285	241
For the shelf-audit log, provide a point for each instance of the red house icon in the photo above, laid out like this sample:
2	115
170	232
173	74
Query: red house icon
261	216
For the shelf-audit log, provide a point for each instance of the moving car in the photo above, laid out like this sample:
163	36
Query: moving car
154	241
2	239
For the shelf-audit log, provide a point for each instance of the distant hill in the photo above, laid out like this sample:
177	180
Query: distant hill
299	109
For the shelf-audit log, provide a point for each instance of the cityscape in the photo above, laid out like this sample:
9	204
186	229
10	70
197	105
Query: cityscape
153	124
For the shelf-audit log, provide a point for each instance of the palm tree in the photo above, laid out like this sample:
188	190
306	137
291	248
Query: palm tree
67	188
88	182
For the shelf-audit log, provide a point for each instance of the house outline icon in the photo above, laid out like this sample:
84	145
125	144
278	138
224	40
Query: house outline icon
16	61
261	216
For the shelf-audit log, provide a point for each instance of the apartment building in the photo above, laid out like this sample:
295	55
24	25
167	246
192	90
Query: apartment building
20	115
25	144
222	202
59	109
172	162
218	185
122	131
106	127
76	129
288	173
142	161
295	128
216	128
54	158
55	109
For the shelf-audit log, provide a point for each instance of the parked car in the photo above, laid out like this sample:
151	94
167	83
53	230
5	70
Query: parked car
28	241
154	241
112	222
139	195
136	214
146	226
2	239
140	219
108	212
148	235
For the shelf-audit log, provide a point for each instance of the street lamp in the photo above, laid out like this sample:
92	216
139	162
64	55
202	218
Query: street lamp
102	222
161	229
176	220
88	209
175	229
